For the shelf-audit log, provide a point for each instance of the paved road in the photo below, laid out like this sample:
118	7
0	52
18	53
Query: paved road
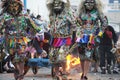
45	74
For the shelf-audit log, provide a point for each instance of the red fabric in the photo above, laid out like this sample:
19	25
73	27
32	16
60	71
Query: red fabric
68	41
55	41
109	34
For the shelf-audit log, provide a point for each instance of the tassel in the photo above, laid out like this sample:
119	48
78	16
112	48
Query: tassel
20	41
10	42
91	39
100	33
26	40
85	38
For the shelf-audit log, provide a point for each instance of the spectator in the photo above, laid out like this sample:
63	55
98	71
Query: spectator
106	44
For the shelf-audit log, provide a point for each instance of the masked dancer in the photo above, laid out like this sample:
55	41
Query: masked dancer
18	30
62	27
93	21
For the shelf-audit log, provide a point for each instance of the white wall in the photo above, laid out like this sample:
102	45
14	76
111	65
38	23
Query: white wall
39	6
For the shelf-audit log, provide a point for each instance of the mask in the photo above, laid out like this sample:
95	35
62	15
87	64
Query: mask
14	8
89	4
58	6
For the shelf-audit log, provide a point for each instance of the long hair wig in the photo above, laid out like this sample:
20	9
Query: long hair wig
98	7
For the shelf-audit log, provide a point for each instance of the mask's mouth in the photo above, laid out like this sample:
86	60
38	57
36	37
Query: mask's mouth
57	11
57	7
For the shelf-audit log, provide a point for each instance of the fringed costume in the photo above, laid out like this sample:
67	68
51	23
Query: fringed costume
93	22
61	24
17	32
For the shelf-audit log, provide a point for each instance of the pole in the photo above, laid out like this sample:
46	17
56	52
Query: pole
25	4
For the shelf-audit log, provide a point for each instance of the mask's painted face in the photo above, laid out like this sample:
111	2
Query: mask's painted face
58	6
89	4
14	8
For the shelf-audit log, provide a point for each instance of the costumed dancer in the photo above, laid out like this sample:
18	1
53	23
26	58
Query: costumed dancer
61	28
92	21
16	28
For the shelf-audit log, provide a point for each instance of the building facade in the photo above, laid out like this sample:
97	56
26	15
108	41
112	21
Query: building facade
114	5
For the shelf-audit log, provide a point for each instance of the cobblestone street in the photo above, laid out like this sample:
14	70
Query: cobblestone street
45	74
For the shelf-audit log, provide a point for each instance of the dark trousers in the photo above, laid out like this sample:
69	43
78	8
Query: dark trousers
105	55
37	45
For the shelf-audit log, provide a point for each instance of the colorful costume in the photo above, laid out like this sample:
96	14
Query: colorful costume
61	26
61	29
92	22
17	32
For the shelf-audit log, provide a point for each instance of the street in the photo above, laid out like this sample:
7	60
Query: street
45	74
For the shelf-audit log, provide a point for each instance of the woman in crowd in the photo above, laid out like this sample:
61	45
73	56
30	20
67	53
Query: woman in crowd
107	42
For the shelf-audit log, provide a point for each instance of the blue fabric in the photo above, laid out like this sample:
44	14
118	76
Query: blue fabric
1	39
41	62
85	39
